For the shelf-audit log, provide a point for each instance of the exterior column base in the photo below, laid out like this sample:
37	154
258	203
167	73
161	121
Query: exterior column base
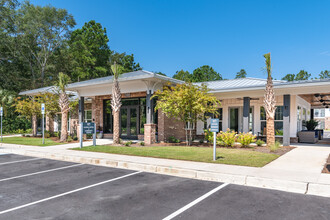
149	134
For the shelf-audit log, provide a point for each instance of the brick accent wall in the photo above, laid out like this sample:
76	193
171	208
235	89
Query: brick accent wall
149	133
327	123
97	112
168	127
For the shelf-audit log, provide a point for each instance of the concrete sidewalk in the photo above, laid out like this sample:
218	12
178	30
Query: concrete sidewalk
297	171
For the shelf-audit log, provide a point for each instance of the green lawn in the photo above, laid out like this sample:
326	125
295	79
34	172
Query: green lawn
29	141
200	154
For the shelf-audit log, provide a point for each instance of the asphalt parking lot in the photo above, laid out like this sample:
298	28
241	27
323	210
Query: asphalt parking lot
36	188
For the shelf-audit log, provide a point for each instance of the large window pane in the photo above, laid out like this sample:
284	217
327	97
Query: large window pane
143	114
107	117
279	113
279	128
262	113
263	128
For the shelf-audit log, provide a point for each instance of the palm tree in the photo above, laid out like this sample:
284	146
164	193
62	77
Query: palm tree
116	102
270	103
63	103
6	99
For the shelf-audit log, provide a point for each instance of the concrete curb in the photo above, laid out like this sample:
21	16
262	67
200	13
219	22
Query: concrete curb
254	181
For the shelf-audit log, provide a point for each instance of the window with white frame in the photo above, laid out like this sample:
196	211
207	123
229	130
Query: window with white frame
88	116
278	122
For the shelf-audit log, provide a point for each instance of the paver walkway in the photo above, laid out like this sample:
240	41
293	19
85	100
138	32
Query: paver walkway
297	171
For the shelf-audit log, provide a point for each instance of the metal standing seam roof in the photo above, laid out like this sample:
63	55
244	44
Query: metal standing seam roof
136	75
236	83
250	83
214	86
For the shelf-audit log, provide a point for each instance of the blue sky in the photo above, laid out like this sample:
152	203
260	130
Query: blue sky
169	35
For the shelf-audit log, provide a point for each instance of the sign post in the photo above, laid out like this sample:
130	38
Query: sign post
87	128
43	122
1	114
214	129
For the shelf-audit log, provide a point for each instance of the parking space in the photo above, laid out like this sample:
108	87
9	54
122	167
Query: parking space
45	189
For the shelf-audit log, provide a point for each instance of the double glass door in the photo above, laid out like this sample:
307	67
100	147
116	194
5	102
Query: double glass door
129	121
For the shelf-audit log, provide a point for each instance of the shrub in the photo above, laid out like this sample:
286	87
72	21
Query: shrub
14	123
47	135
69	139
23	135
142	143
245	139
275	147
19	131
201	141
128	143
172	139
208	135
260	142
27	136
75	138
28	131
226	138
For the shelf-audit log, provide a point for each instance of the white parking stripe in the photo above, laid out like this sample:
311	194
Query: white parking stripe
67	193
178	212
40	172
19	161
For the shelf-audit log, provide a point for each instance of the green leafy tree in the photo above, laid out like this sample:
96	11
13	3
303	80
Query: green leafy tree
182	75
324	74
302	75
205	73
33	33
126	62
29	107
187	103
6	100
289	77
160	73
241	74
89	52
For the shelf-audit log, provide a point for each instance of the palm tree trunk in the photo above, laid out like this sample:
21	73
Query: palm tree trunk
64	129
116	105
270	131
116	127
34	125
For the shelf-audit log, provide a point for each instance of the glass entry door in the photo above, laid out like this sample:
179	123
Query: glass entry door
129	121
233	119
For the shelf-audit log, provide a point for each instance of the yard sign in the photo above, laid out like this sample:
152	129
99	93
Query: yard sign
43	122
214	129
87	128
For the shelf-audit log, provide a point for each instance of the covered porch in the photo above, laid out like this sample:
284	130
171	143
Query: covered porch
138	120
242	108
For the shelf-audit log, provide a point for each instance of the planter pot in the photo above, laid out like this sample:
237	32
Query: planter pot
308	136
99	136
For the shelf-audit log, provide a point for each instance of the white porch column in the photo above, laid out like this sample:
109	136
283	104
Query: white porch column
246	111
150	107
286	120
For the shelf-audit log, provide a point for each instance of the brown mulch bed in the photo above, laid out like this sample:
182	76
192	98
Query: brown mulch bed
326	168
56	139
281	151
